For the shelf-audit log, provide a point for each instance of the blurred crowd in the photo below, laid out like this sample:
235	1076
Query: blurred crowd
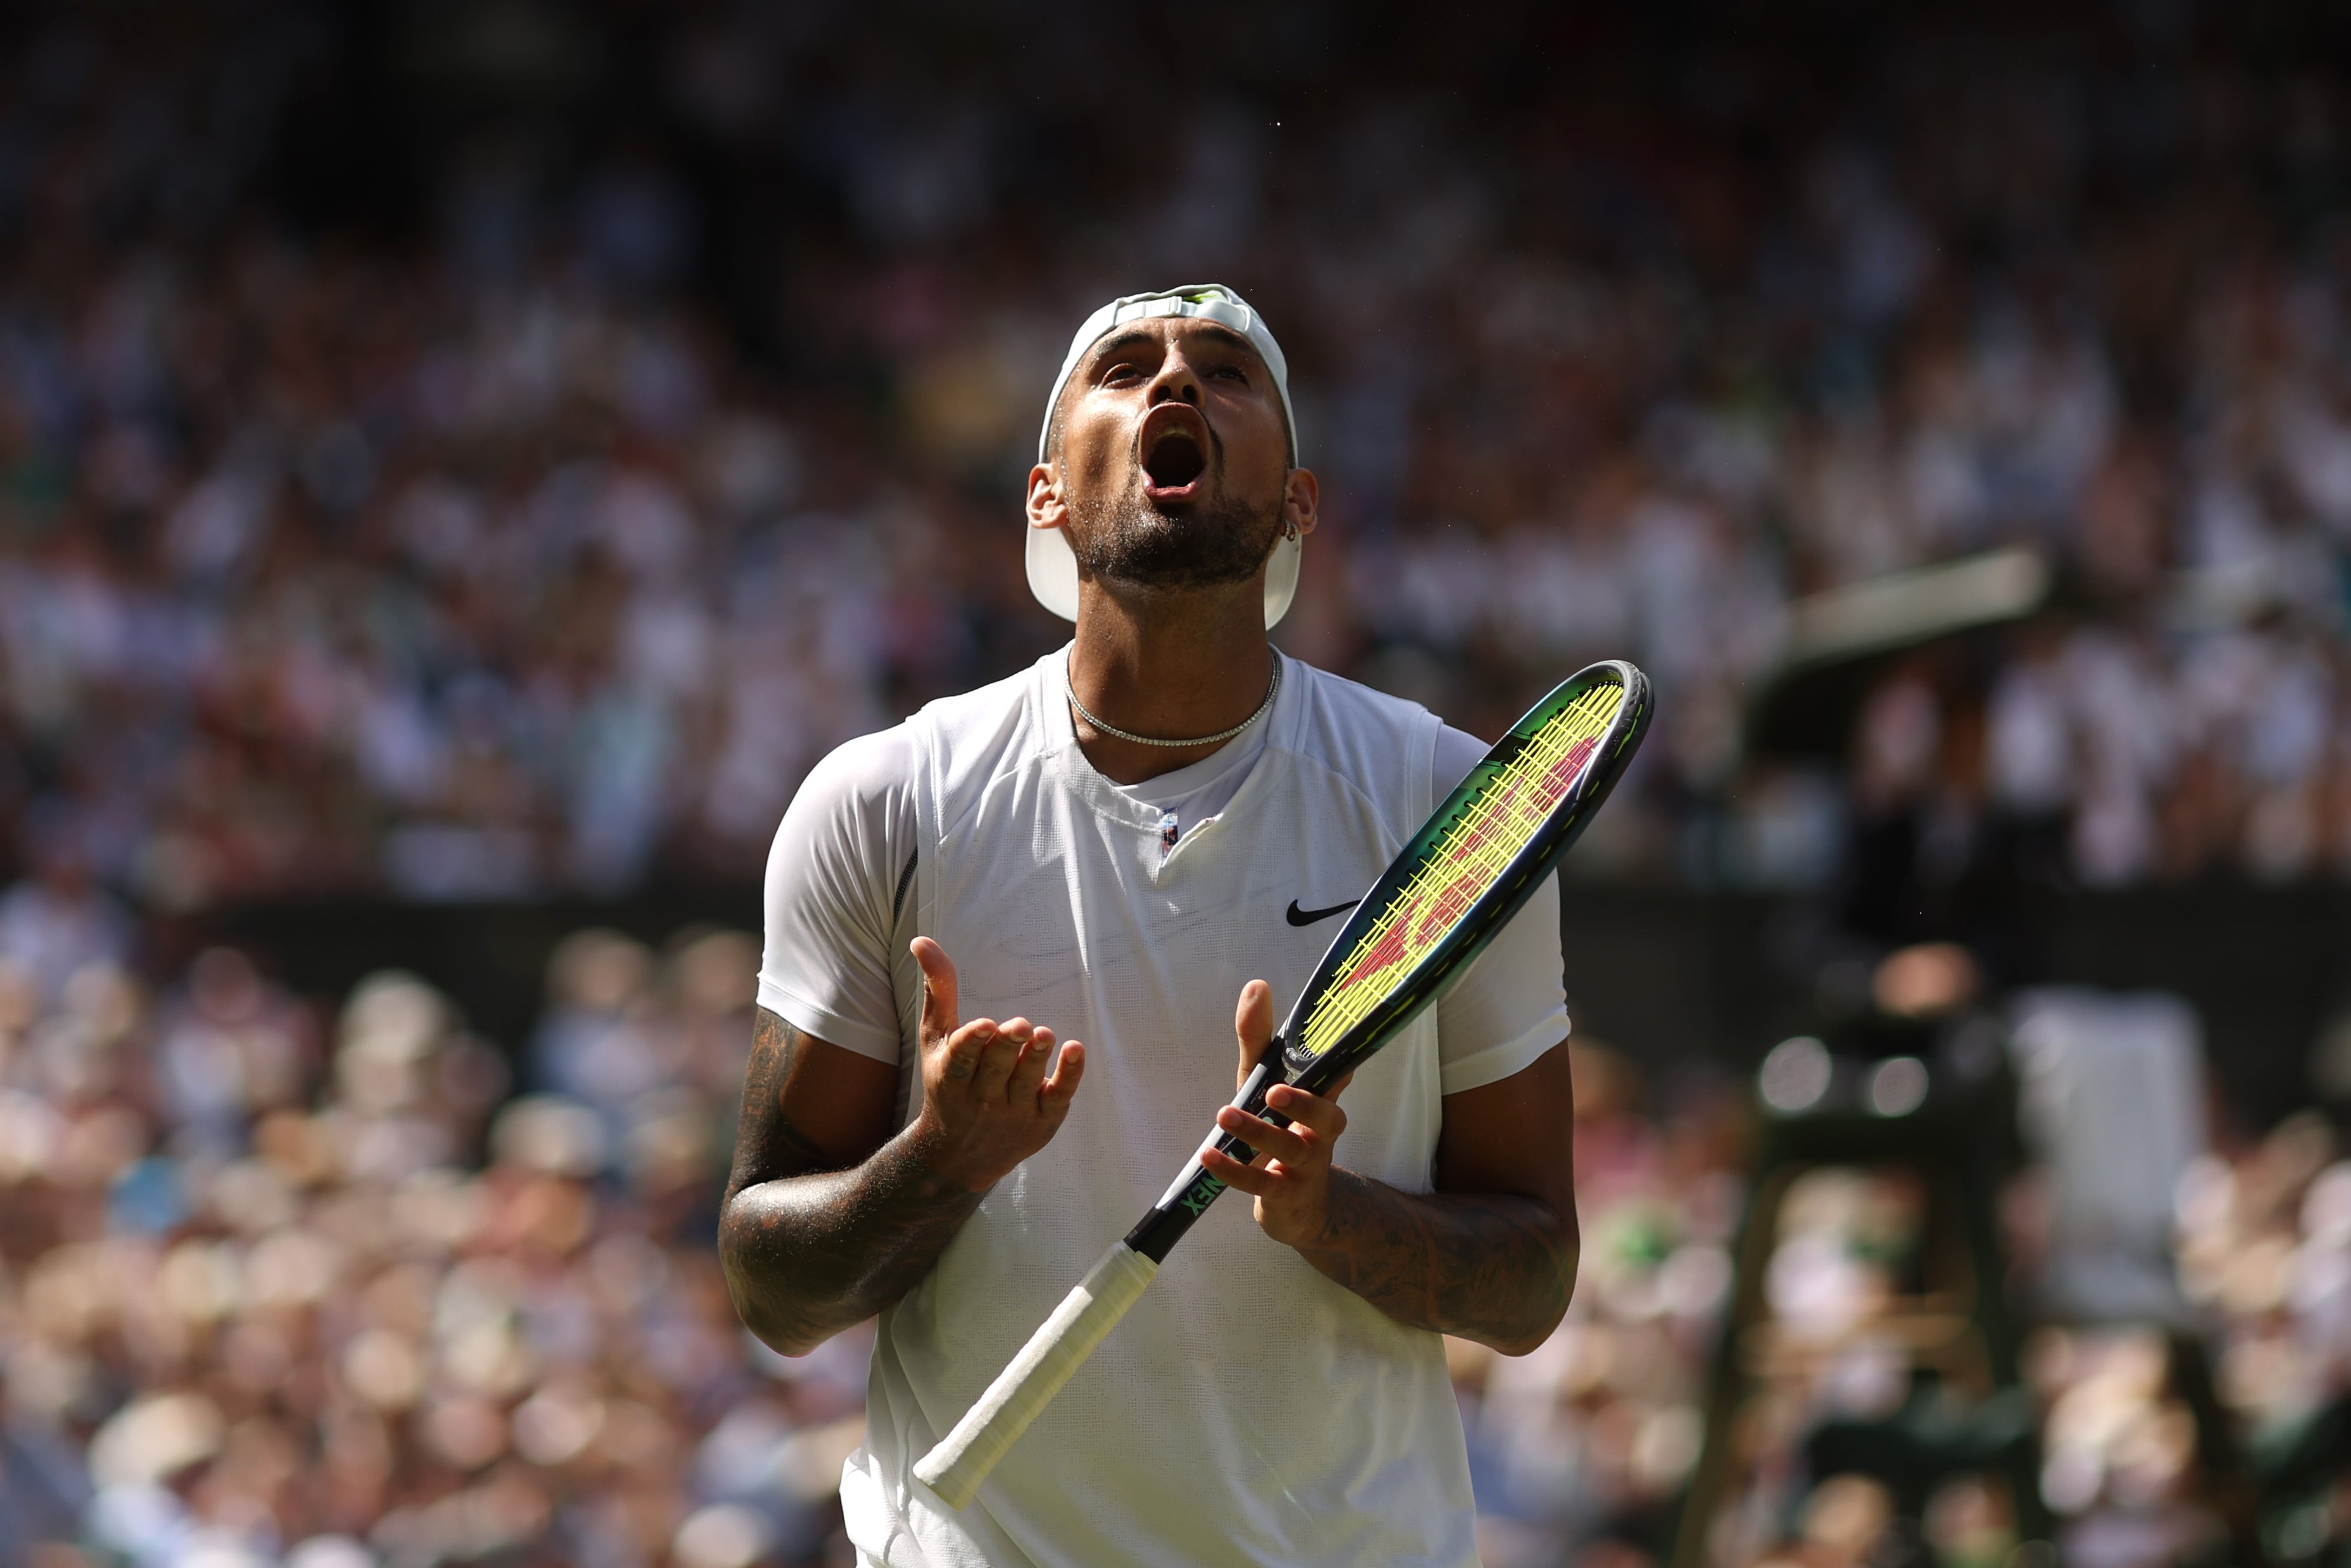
500	456
491	451
277	1286
282	1284
1582	1448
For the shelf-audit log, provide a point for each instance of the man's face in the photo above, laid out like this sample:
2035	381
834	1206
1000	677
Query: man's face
1173	469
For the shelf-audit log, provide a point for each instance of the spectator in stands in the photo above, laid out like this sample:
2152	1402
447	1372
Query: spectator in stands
494	567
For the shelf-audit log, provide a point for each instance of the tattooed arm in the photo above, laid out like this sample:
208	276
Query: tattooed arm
1490	1255
1474	1257
827	1220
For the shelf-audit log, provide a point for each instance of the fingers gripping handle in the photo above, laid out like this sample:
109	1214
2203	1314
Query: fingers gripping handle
962	1460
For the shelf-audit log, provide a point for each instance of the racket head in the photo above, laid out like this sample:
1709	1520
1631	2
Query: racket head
1473	865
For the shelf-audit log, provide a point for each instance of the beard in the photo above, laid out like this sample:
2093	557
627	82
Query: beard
1218	540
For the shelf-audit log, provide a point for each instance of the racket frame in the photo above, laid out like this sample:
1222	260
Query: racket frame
1180	1207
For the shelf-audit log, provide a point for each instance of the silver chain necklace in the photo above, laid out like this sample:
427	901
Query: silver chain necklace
1272	688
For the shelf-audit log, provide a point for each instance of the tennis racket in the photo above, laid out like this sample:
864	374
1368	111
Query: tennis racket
1473	865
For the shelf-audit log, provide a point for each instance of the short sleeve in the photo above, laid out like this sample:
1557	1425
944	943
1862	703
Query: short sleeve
1511	1004
844	847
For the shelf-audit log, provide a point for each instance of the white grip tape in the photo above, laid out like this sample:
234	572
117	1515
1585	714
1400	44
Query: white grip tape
1021	1391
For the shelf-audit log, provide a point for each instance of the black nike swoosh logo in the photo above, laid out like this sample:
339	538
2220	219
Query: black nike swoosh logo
1298	916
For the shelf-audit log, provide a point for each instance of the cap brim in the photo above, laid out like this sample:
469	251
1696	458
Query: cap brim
1053	574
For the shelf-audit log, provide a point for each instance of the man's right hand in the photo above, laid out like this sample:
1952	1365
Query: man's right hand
993	1093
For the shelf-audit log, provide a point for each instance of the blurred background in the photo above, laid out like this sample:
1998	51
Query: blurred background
461	464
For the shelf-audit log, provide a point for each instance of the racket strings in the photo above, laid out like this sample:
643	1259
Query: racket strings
1463	862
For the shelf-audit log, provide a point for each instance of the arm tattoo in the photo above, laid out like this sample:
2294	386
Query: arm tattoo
1495	1268
812	1247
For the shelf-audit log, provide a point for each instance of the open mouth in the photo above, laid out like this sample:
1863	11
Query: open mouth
1175	453
1174	460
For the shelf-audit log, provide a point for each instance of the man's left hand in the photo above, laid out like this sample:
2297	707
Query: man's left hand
1291	1177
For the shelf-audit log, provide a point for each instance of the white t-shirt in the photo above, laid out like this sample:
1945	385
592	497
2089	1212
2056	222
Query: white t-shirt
1248	1410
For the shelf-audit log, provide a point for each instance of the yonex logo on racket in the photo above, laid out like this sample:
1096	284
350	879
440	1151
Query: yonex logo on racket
1463	862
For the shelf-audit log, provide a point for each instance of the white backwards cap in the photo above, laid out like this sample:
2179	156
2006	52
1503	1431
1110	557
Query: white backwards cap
1052	568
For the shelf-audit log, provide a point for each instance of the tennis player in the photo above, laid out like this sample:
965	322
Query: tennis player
1155	827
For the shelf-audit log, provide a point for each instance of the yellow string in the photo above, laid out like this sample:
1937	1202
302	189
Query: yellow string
1461	866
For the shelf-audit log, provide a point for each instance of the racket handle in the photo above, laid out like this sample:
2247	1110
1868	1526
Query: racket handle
1021	1391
